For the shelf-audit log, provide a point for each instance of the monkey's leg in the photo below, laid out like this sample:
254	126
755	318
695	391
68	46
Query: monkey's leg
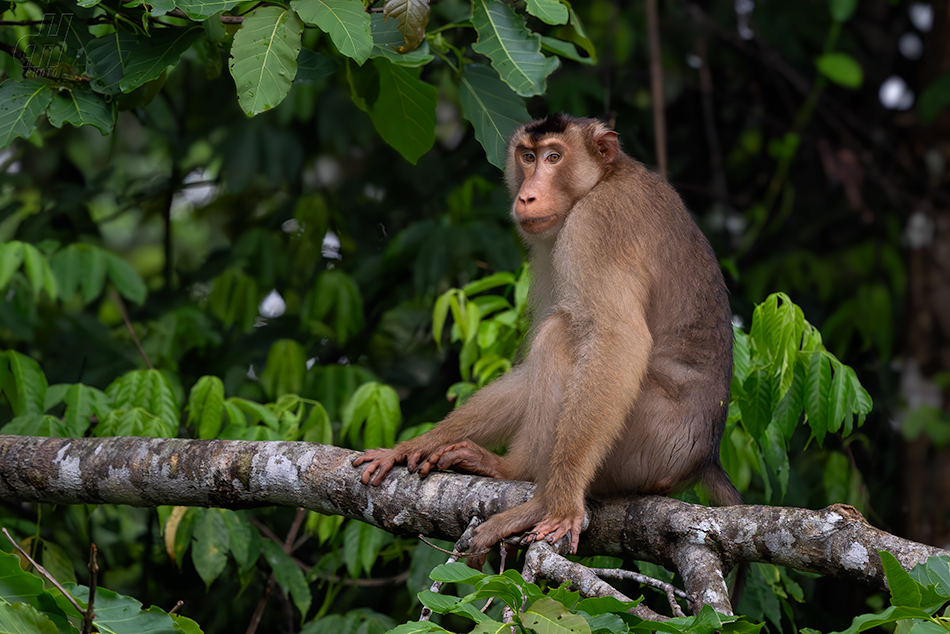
603	383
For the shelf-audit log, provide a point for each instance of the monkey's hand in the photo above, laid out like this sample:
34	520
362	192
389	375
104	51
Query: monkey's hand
464	457
381	461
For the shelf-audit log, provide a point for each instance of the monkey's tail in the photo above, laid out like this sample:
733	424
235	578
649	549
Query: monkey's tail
723	493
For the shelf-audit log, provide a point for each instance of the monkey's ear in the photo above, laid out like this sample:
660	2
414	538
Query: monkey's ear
607	145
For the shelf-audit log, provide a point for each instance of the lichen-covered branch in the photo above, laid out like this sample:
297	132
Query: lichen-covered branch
702	543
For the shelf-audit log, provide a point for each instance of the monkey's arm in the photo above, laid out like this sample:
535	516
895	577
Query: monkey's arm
487	417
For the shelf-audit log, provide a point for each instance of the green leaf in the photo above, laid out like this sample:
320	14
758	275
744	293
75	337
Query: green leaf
492	108
200	10
206	406
411	16
345	21
125	278
22	617
82	106
116	613
257	411
514	51
905	592
106	59
547	616
317	428
82	402
136	421
938	568
817	393
23	383
284	369
335	299
21	103
567	50
841	68
264	58
311	66
93	271
377	406
361	545
404	111
209	550
11	257
155	54
148	390
549	11
288	576
38	271
456	572
759	394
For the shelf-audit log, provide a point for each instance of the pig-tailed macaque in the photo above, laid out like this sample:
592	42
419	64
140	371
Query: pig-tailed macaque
625	384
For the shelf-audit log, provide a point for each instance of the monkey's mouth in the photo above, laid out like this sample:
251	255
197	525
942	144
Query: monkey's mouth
537	225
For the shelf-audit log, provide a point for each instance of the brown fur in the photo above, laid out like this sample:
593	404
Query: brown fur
625	385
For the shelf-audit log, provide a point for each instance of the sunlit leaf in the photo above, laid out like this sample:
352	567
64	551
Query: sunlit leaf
345	21
514	51
264	58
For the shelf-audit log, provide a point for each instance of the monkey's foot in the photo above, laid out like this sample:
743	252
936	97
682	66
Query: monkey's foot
553	530
465	457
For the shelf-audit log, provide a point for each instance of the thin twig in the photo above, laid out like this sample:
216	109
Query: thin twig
40	569
89	614
656	86
128	324
669	589
458	550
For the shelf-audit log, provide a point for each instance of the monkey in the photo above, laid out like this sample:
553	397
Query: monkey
624	385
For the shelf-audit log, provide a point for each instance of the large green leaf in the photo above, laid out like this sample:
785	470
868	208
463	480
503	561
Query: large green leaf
82	106
492	108
514	51
345	21
404	111
374	406
106	59
21	103
264	58
153	55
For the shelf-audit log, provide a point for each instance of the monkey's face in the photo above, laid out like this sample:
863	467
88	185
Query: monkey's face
549	171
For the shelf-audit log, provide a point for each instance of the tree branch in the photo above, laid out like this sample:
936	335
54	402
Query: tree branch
701	543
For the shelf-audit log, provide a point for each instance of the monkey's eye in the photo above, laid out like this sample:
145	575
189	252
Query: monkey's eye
528	157
554	157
